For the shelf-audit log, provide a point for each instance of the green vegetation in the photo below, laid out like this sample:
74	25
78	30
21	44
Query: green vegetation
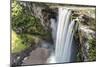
23	22
92	49
26	28
17	43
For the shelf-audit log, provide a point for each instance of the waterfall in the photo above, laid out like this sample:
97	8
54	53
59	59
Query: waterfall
62	34
53	26
54	29
64	38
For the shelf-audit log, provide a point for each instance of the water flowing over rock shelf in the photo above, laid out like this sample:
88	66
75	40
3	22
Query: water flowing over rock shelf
44	33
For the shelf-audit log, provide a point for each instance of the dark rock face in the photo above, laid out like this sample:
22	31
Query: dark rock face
85	35
45	13
41	11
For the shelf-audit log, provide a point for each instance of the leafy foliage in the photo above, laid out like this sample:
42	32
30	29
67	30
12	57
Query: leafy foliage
18	44
25	26
23	23
92	49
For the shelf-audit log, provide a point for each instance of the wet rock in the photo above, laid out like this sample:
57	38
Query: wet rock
38	56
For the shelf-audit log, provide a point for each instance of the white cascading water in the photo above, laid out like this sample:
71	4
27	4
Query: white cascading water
54	29
51	59
64	36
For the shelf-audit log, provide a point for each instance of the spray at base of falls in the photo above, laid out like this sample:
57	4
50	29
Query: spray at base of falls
64	37
51	59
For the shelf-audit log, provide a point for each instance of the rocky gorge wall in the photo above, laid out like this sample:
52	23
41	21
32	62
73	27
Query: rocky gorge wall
85	36
86	30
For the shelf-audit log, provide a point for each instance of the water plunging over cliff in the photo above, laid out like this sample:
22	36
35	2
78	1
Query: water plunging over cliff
64	36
